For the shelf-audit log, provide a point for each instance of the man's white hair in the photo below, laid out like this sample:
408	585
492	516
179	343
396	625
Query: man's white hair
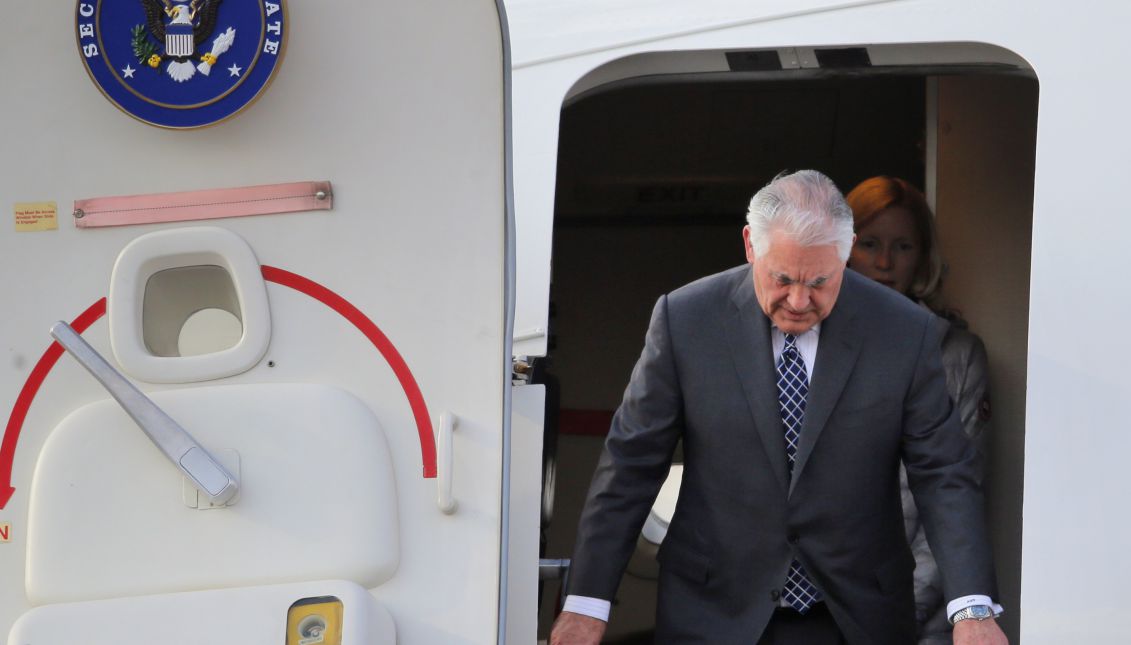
807	207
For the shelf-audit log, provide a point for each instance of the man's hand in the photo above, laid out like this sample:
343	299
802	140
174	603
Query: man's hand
979	632
576	629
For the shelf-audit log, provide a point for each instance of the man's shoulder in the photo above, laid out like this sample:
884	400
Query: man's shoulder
719	286
876	301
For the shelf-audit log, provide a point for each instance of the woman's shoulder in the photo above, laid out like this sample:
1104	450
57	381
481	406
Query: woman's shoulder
958	338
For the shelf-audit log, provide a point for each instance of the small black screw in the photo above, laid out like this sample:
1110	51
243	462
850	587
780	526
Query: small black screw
270	363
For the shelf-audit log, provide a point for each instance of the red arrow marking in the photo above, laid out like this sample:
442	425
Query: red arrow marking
271	274
383	345
27	395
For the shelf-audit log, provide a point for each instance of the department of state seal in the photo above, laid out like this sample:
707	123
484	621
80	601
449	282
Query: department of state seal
181	63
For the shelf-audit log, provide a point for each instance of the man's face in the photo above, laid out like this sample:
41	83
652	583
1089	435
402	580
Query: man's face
796	285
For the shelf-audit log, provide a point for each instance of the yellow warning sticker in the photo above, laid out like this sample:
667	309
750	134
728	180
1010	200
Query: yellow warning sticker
5	532
36	216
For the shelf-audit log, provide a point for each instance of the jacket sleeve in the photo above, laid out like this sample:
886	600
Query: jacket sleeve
943	474
635	461
964	357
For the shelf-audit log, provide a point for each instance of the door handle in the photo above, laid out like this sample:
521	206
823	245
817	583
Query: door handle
444	499
202	469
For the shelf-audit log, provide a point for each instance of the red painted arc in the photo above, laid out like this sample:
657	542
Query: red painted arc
27	395
272	274
383	345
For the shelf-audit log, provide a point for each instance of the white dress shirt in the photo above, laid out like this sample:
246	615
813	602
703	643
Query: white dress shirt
807	347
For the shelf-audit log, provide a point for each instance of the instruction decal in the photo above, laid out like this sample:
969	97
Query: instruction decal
36	216
5	532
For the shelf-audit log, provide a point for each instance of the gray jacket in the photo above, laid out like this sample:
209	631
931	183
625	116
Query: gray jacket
967	380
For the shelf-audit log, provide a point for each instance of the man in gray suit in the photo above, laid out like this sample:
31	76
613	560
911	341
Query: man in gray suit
797	387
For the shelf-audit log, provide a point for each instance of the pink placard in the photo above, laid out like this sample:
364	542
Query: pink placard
204	204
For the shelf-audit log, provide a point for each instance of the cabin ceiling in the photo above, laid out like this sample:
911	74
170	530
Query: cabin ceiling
696	150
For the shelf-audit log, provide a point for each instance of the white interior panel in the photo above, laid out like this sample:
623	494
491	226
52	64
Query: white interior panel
528	409
317	499
247	615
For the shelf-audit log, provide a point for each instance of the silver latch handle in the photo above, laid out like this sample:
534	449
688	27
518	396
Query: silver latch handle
190	457
444	449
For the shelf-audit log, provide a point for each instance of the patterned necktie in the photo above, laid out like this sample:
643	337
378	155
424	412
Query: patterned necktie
793	389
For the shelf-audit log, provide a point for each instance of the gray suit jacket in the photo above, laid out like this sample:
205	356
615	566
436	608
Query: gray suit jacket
877	393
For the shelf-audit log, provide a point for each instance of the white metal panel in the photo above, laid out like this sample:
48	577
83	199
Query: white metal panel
528	405
401	106
225	617
317	497
545	30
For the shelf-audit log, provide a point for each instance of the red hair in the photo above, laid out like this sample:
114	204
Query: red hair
875	195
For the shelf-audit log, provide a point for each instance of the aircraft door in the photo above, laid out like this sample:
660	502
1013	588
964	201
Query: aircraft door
290	301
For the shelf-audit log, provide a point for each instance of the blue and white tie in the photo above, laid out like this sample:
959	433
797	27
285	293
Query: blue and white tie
793	389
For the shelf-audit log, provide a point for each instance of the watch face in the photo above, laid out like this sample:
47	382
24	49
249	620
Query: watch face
981	612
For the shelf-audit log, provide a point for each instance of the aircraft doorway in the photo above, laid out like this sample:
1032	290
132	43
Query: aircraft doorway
654	175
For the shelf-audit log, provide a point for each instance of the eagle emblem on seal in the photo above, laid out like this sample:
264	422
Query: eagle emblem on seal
174	30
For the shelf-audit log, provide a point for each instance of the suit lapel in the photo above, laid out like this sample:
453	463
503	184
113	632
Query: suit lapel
748	332
837	351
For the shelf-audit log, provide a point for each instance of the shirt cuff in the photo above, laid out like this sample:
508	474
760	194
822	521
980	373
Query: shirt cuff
958	604
586	606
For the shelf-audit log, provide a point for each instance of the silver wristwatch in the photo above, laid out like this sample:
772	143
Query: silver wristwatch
973	612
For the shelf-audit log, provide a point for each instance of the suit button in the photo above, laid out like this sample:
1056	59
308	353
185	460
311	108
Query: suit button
775	595
794	538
